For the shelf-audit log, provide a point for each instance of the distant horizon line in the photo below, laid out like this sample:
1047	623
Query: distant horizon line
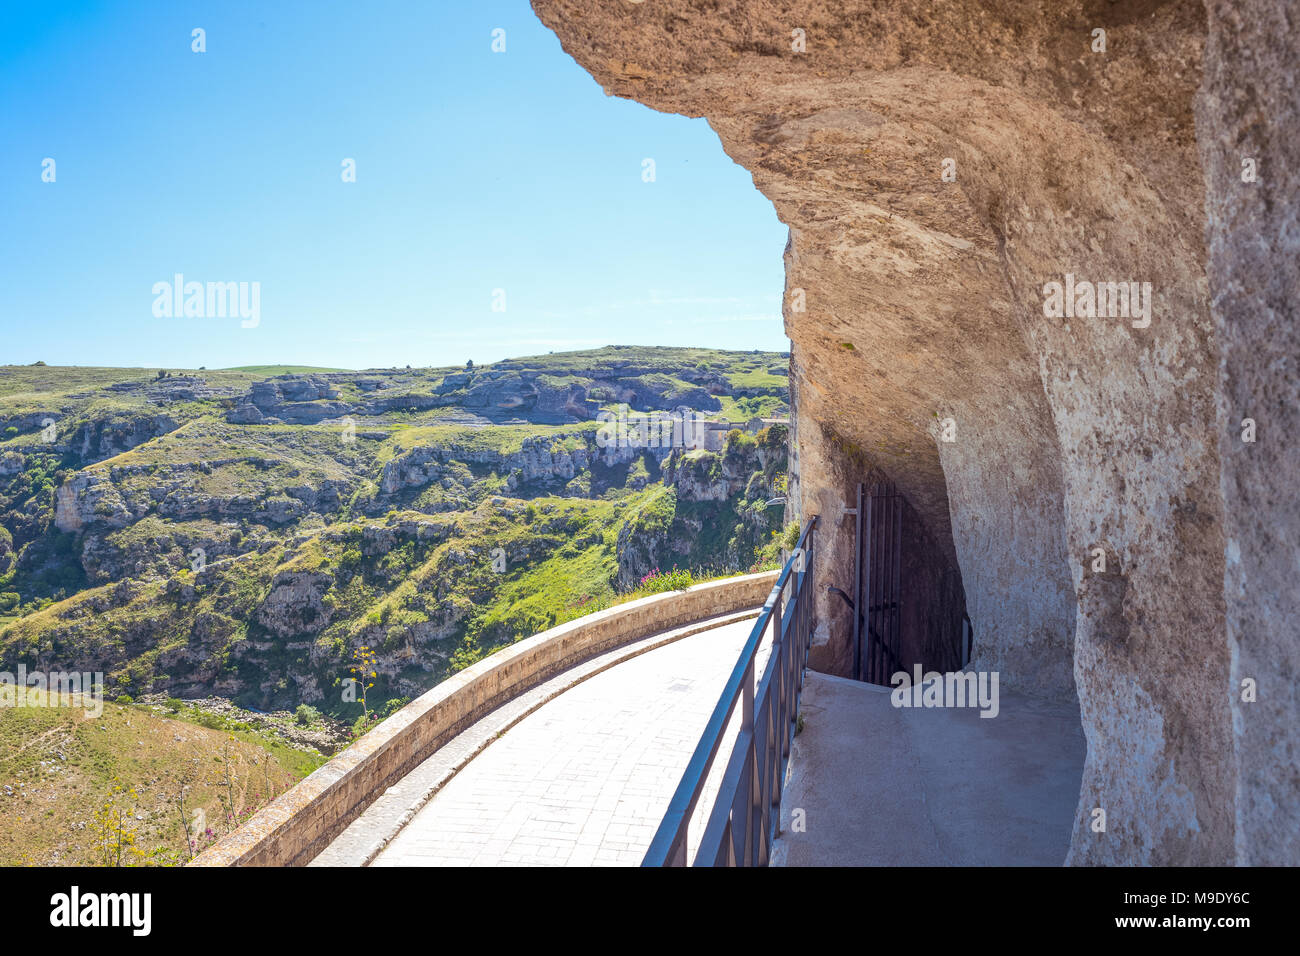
292	367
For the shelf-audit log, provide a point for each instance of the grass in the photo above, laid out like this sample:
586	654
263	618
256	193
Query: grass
666	359
59	766
491	439
270	370
758	406
759	378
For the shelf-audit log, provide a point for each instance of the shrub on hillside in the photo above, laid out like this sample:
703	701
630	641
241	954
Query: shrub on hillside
657	582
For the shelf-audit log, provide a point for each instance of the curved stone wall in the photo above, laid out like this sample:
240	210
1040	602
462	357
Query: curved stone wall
301	822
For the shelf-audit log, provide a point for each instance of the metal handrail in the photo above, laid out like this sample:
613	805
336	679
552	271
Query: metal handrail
747	810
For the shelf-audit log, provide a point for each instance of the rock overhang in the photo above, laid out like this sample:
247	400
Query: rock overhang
938	167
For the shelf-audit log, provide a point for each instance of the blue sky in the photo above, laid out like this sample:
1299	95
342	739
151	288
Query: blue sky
475	171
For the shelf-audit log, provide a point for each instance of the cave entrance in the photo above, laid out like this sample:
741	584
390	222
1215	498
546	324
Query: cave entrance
907	610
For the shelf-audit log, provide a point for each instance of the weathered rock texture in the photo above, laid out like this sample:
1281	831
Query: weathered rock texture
912	300
1249	109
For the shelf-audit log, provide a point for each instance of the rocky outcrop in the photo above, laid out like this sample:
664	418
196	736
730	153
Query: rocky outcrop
89	498
642	551
159	550
246	414
293	400
513	389
938	170
174	388
29	421
116	496
102	438
705	476
295	604
546	460
714	495
11	463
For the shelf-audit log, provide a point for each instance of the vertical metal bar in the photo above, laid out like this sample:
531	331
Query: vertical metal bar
770	786
775	733
747	699
887	589
891	563
886	577
878	557
895	554
867	569
747	724
857	588
810	588
786	675
779	633
897	588
757	810
751	800
869	598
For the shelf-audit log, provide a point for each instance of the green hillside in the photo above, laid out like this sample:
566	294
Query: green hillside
250	535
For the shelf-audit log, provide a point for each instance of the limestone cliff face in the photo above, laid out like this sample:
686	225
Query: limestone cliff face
716	515
98	439
89	498
1254	269
541	459
113	497
295	605
938	166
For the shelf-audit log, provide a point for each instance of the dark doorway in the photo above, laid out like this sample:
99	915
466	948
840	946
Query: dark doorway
908	610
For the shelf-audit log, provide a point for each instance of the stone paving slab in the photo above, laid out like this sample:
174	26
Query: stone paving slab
585	778
367	837
886	786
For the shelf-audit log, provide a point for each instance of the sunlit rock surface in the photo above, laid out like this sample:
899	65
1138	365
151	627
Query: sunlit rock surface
916	307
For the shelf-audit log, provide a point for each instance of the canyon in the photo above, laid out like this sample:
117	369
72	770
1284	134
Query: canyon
241	535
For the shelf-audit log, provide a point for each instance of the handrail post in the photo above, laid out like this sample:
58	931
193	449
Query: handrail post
779	633
747	699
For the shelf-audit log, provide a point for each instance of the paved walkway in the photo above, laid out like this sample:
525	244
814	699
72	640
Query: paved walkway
884	786
580	770
586	778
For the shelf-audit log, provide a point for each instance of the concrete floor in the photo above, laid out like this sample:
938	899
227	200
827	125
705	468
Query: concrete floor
886	786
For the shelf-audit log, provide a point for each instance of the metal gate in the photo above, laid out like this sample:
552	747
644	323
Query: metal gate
877	616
